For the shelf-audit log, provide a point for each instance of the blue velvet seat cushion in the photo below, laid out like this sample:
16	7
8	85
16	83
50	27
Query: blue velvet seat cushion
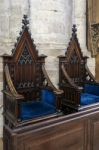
87	99
91	89
49	97
31	110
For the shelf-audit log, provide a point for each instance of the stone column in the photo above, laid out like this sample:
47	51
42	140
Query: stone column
4	25
79	18
50	23
4	39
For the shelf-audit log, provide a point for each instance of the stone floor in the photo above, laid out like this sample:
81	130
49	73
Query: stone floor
1	144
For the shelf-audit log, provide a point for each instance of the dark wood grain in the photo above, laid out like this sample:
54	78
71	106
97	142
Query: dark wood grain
24	77
75	131
71	132
73	74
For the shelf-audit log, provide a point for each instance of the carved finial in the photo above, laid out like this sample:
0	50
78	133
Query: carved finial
74	30
13	50
25	21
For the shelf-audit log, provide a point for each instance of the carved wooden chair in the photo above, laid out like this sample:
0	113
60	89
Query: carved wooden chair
28	92
75	79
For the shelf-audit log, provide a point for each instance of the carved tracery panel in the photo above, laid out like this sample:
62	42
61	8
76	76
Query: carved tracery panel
26	57
93	26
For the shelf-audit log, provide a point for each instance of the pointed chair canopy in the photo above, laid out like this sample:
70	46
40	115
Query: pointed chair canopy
75	78
28	91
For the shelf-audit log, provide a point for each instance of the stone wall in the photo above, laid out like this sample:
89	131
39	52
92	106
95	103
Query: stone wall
50	24
79	18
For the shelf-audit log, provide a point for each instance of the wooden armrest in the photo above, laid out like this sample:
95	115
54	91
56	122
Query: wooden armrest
72	87
10	84
69	79
50	84
90	74
17	96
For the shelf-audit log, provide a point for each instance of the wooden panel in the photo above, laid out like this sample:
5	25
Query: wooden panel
74	132
94	135
69	136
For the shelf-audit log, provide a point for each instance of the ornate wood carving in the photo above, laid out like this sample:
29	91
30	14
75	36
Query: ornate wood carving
92	26
73	73
95	37
25	57
24	76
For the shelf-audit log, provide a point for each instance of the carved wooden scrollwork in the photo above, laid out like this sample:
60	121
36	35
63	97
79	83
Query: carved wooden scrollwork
73	72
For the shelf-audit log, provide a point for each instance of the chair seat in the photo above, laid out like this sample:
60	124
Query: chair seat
87	99
31	110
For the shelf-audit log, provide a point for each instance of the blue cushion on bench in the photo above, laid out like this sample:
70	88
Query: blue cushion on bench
49	97
31	110
91	89
34	109
87	99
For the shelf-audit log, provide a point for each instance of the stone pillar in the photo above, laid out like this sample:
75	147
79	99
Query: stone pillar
50	23
79	18
4	40
4	25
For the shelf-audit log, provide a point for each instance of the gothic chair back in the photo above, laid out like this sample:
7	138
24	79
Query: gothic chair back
25	67
28	91
74	75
